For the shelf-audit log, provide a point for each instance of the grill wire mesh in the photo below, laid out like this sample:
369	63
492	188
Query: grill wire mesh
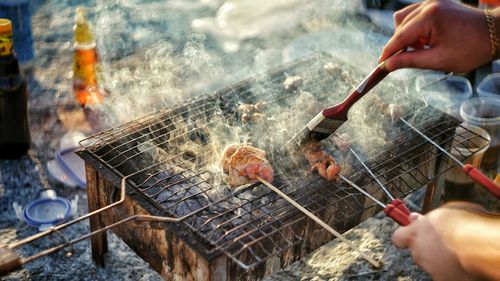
252	224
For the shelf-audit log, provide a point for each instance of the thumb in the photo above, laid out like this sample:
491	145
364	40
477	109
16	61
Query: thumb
402	236
415	216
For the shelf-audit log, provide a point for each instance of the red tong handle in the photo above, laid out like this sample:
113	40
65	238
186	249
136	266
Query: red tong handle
398	211
482	179
339	111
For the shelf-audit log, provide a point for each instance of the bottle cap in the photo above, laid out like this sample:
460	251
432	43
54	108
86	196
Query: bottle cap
82	32
5	27
5	37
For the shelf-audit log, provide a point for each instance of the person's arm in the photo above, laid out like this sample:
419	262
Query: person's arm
457	35
458	241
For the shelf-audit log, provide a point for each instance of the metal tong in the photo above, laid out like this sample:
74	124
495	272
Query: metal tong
471	171
396	210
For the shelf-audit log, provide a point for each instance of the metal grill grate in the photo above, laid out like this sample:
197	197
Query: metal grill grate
251	224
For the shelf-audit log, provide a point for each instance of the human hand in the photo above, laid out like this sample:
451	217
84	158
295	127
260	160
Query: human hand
454	242
457	36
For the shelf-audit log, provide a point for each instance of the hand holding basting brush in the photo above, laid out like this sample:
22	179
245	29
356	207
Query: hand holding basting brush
330	119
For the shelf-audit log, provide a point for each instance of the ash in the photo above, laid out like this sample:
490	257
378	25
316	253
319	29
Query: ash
137	40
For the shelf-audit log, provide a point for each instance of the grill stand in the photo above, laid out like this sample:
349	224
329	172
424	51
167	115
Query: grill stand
171	254
177	252
158	247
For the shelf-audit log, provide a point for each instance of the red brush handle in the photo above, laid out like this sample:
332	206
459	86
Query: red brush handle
339	111
481	179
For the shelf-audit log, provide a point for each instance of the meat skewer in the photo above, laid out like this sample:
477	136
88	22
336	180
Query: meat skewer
243	163
319	161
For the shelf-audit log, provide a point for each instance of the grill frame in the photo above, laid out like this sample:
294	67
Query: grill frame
90	156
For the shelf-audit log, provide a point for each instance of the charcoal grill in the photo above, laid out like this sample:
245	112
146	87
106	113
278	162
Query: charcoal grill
249	232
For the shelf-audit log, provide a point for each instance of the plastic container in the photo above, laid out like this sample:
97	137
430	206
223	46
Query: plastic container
47	211
444	92
489	87
18	11
495	66
485	113
68	167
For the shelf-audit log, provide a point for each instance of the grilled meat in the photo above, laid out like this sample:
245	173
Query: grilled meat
292	83
391	111
343	141
252	112
243	162
319	161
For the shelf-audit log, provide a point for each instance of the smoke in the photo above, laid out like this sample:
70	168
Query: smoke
156	55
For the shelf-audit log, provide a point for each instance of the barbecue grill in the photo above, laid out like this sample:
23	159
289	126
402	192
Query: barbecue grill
246	233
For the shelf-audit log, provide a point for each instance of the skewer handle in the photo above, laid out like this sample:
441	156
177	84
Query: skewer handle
482	179
398	211
9	260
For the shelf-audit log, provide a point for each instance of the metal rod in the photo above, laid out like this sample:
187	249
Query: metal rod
373	175
371	260
362	191
432	142
64	225
81	238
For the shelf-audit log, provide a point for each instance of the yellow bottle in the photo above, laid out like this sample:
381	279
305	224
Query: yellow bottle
85	62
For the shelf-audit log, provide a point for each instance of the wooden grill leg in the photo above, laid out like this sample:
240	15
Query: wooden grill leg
99	241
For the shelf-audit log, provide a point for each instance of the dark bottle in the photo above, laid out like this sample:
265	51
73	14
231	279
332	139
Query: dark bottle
14	127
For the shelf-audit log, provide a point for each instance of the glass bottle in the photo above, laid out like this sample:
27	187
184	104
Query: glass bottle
15	136
86	67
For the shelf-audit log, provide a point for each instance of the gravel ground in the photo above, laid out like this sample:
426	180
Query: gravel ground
51	101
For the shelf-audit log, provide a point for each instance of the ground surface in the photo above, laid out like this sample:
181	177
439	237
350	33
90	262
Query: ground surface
53	113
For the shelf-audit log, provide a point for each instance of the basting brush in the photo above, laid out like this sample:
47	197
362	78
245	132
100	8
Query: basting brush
330	119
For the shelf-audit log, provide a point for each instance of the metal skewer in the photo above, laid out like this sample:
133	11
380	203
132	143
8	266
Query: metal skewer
372	174
371	260
363	191
471	171
10	260
397	209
